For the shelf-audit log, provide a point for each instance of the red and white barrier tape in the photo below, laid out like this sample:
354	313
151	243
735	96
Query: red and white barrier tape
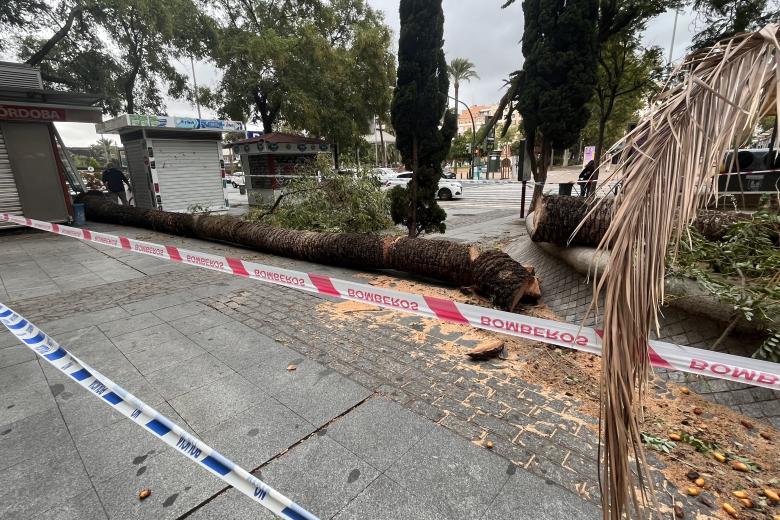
662	354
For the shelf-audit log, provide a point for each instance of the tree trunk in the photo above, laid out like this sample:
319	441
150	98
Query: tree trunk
130	99
556	218
336	156
39	56
382	141
540	172
592	185
715	224
412	223
493	273
457	89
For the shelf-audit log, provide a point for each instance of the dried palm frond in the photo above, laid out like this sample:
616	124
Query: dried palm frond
669	171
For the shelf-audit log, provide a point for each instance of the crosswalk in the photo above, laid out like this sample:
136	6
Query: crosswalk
491	196
501	195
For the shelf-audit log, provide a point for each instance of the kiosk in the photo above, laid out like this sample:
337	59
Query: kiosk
269	159
37	178
175	163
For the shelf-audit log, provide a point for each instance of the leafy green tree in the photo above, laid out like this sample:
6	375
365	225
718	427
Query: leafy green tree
133	71
16	15
80	63
316	66
460	69
627	75
615	16
461	147
558	76
418	108
726	18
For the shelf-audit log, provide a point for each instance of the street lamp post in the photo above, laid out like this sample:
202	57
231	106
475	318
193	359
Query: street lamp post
473	135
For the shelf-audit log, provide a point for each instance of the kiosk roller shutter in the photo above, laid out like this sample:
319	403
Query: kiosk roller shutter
189	174
9	197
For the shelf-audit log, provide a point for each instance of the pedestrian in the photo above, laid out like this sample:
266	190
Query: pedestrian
115	181
587	178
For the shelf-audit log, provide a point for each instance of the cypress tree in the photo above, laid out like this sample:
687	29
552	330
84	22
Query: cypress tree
419	104
560	46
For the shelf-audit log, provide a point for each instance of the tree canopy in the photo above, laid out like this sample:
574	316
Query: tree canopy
615	16
461	69
120	50
20	14
318	66
725	18
418	108
627	76
559	72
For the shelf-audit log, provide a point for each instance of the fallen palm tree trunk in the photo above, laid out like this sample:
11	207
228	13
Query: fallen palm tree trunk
557	217
493	274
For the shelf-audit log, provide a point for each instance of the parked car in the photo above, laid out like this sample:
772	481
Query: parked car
383	173
238	179
448	174
448	189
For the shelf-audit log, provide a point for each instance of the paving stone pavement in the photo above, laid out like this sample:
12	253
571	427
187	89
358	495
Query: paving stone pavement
344	434
569	294
371	423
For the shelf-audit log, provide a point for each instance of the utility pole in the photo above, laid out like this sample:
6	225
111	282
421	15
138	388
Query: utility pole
195	82
674	33
376	145
473	136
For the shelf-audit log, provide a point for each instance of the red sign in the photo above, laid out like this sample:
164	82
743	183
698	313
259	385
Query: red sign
31	113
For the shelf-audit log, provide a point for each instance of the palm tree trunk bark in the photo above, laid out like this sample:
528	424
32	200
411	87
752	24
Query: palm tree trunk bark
556	218
493	274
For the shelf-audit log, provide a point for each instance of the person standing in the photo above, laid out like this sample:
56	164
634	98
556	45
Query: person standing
115	182
587	178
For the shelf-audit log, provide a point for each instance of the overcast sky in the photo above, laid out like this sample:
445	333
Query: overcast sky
475	29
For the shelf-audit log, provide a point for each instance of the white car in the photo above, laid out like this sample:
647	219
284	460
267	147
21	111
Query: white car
383	174
237	179
448	189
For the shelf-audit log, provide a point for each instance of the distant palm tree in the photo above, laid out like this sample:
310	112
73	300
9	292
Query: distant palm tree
461	69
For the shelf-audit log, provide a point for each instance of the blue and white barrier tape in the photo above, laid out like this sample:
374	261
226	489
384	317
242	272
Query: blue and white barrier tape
130	406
